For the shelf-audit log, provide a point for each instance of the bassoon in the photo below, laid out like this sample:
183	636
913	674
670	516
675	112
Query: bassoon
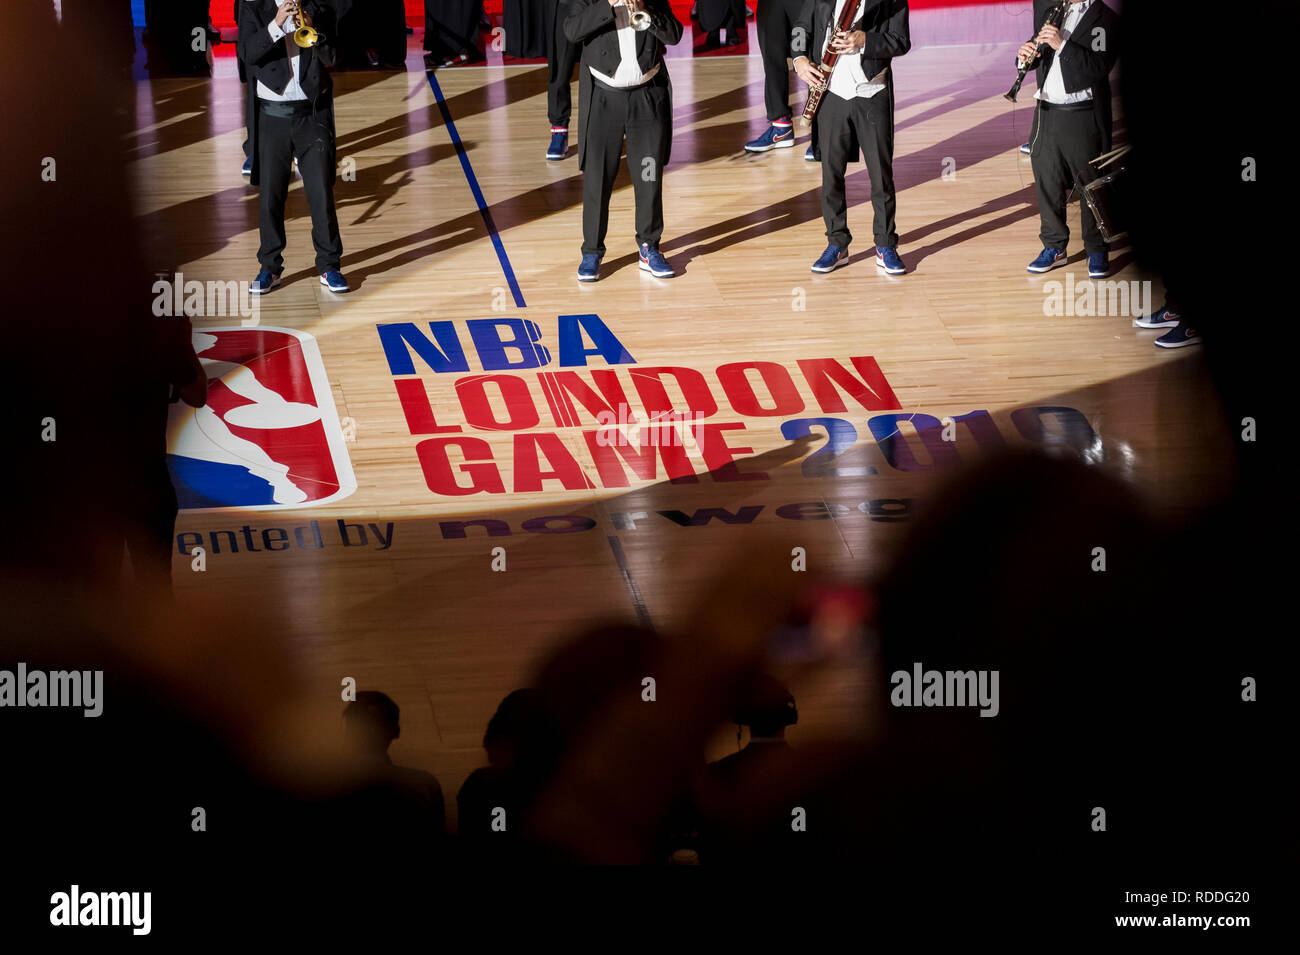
815	93
1055	17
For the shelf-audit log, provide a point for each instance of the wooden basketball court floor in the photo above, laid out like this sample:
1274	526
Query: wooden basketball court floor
454	216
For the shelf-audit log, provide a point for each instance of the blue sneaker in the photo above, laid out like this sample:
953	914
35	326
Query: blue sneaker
652	261
248	167
831	259
811	154
265	281
887	259
589	268
776	136
559	147
1098	265
1177	337
334	281
1024	150
1047	260
1160	318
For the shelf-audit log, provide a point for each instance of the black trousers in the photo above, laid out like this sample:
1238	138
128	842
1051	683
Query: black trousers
776	20
715	15
560	57
308	137
867	123
1066	140
451	27
641	116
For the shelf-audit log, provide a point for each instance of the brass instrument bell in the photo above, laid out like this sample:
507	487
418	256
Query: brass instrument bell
637	14
306	37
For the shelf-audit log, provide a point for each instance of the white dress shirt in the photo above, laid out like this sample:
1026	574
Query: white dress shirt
847	78
294	91
1053	90
629	72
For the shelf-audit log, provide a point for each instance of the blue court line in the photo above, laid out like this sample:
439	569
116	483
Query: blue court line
642	612
478	193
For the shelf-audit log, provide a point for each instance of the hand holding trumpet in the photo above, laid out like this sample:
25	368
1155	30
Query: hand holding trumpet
287	10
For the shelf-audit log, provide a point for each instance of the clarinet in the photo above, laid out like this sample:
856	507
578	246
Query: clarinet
1055	17
815	93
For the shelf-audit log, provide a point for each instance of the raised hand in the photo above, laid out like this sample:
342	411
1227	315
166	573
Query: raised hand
287	10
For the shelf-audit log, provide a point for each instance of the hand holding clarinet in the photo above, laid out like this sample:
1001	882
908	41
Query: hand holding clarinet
1048	37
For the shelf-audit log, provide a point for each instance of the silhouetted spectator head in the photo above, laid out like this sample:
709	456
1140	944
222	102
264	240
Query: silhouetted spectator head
515	719
767	707
371	721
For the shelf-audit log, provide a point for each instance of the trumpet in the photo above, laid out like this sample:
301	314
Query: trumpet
304	37
637	14
307	37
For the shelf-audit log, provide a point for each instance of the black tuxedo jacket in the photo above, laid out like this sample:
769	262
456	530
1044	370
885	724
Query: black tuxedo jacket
267	60
883	21
1082	66
591	23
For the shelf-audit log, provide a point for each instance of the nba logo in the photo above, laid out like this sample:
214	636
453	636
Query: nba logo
269	436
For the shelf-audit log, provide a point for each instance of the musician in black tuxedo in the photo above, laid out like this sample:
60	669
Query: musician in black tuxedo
1073	122
856	113
623	92
294	113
